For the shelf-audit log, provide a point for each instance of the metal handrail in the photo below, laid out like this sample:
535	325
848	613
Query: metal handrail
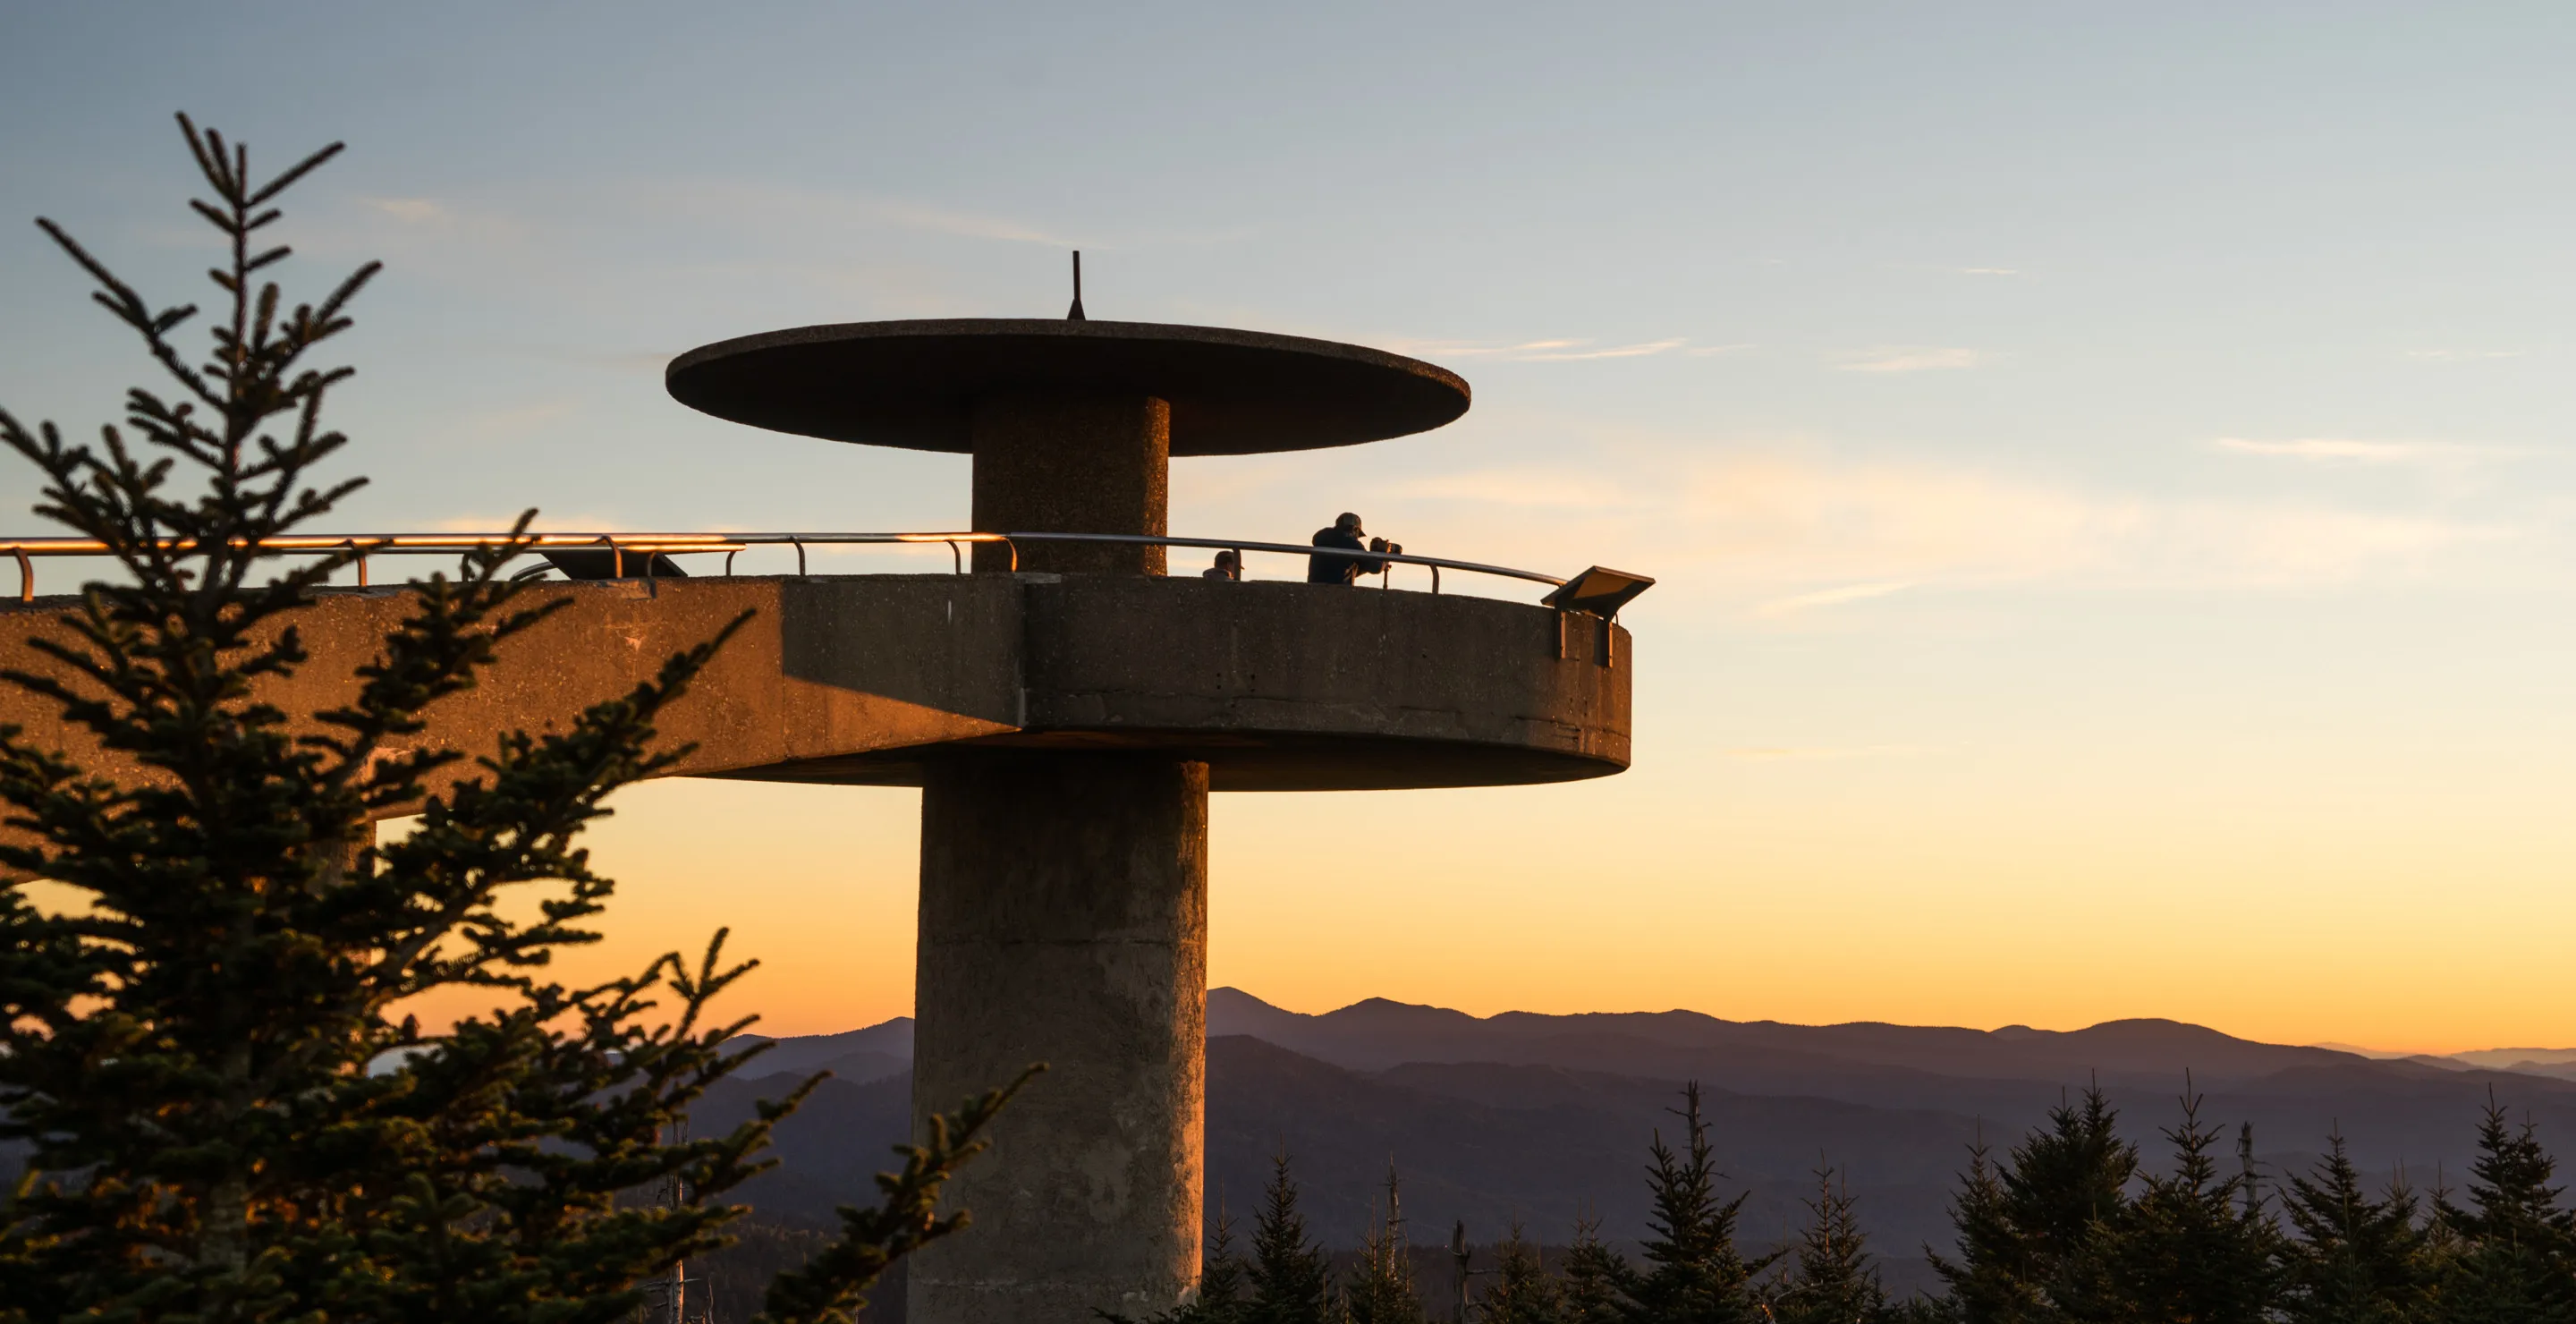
364	545
1437	564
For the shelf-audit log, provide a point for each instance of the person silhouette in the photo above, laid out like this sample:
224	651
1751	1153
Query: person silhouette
1228	566
1345	533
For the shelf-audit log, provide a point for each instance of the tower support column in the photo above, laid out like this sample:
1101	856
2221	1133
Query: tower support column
1064	920
1073	462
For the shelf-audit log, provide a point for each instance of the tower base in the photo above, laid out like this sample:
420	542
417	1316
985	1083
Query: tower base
1064	920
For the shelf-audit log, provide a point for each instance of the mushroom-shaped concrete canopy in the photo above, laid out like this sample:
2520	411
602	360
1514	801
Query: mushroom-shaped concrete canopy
915	384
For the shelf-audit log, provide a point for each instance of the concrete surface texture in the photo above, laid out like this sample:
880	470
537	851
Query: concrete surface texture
1064	920
1070	462
858	679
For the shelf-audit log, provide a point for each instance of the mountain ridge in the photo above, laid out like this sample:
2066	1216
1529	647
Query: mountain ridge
1537	1118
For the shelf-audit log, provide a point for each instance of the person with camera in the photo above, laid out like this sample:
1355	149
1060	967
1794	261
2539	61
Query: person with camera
1345	534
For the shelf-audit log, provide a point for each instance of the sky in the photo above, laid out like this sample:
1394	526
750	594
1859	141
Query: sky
2108	469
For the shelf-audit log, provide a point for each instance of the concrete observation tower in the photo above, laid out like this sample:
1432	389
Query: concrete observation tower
1064	851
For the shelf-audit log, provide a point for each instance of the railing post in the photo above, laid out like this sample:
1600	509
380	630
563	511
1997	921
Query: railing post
26	576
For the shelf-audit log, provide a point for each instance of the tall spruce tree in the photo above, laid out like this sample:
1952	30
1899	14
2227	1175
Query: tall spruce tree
1290	1277
1693	1272
2516	1258
2066	1195
1522	1290
226	1117
2032	1228
1829	1278
2355	1259
2195	1246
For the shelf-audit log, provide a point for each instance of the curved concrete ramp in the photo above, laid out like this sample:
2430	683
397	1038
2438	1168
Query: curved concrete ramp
867	679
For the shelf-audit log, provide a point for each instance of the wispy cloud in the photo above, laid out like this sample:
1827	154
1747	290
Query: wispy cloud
1614	352
2346	450
964	224
775	205
513	421
1913	360
1548	351
415	211
1712	351
1833	597
1792	537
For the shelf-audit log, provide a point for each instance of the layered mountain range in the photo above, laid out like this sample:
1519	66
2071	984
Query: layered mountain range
1545	1119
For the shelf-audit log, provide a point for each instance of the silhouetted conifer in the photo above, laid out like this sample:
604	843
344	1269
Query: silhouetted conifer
1223	1278
1522	1290
1593	1277
2355	1260
1693	1272
1381	1289
1986	1283
2516	1256
222	1117
1829	1278
2194	1246
2065	1194
2031	1229
1290	1277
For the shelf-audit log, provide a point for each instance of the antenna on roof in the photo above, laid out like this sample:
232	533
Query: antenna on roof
1075	315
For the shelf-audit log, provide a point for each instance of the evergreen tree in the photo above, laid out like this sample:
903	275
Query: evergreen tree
2066	1194
2031	1229
1593	1277
1381	1289
191	1054
2194	1246
1523	1291
1987	1283
1693	1272
2356	1260
1223	1278
1290	1276
1829	1279
2516	1262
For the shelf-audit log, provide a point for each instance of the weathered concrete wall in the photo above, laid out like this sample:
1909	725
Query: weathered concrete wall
1052	462
854	679
817	673
1064	920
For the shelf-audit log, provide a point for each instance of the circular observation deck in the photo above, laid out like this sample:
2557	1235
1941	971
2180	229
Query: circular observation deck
918	384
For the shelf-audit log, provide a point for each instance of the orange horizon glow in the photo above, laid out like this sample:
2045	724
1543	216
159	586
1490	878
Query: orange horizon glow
818	884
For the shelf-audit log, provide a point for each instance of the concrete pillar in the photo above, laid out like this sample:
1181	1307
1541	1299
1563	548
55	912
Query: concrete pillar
1064	920
1073	463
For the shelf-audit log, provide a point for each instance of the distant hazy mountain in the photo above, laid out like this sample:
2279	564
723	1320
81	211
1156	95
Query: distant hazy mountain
889	1043
1539	1118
